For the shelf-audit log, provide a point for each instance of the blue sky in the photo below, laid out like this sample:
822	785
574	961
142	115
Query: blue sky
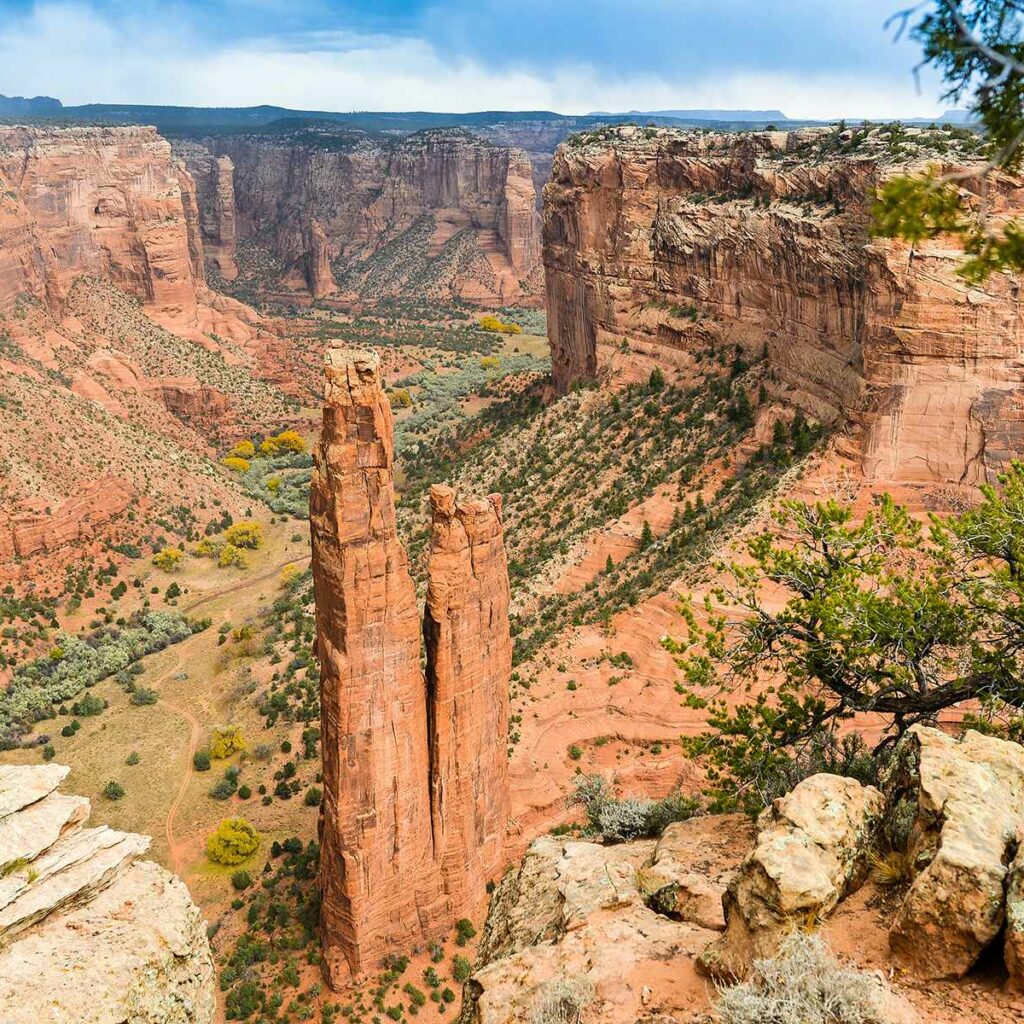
809	58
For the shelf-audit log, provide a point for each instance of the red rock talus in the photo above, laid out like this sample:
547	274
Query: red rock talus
469	660
380	888
661	244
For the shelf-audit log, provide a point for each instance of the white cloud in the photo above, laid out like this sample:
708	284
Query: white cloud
67	50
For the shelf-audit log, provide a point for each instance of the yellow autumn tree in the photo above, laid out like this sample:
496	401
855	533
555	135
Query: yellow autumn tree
236	464
243	450
226	740
231	556
234	841
244	534
168	559
291	441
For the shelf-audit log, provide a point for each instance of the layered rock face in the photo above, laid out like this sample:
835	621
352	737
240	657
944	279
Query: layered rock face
89	933
660	244
368	193
415	782
215	189
101	201
469	660
379	882
319	277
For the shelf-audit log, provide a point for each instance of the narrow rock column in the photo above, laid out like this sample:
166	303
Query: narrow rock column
380	890
469	661
319	276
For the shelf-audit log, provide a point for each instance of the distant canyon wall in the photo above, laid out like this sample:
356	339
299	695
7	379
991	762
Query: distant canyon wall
660	243
365	195
108	202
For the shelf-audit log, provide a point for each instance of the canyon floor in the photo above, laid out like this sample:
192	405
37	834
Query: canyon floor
617	502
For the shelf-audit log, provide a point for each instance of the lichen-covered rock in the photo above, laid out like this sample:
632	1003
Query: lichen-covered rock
812	851
1013	948
970	811
88	933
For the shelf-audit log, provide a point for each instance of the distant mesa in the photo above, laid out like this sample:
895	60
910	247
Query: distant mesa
703	115
36	106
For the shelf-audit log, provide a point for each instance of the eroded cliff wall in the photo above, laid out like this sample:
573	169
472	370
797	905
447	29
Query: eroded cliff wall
106	202
440	211
662	245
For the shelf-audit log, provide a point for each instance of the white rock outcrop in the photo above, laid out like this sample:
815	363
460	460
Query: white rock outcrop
89	933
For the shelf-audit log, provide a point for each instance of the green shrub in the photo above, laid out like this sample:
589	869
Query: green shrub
241	880
142	696
461	968
201	761
113	790
313	796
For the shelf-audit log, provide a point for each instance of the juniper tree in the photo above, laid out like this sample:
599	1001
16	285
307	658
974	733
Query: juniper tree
885	617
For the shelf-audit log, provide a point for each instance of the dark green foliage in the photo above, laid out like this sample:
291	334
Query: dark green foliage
461	968
241	880
884	617
142	696
201	761
113	791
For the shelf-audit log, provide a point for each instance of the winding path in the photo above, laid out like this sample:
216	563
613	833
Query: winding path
174	848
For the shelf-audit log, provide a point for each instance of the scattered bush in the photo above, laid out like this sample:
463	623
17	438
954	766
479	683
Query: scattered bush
492	323
234	841
241	880
630	818
201	761
243	450
562	1001
142	696
461	968
235	464
313	796
805	983
132	759
113	791
464	931
231	556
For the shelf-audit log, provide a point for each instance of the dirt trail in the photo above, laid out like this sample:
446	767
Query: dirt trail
243	584
175	848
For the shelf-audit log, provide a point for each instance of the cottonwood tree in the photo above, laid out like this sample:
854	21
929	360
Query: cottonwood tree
883	617
978	46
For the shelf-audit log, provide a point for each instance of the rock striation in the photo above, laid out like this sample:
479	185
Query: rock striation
88	932
214	179
661	244
469	661
107	202
441	211
319	276
378	879
415	777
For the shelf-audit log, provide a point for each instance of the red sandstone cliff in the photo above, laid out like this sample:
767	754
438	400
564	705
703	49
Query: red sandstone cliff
469	661
215	189
379	885
319	277
660	243
442	211
100	201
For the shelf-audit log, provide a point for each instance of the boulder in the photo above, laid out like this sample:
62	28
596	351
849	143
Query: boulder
812	851
88	932
969	800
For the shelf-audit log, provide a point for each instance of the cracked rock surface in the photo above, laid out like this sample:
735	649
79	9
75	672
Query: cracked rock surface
89	933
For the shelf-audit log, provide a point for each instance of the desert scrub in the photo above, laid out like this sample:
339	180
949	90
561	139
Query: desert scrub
618	820
804	983
84	660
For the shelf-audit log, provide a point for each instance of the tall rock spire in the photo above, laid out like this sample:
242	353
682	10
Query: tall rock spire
469	660
380	889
